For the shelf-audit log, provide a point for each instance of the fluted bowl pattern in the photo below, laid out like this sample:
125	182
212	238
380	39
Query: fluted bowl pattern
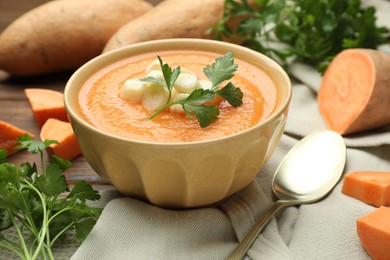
179	175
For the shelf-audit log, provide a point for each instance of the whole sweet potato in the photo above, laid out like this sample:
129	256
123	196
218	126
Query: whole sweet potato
63	34
170	19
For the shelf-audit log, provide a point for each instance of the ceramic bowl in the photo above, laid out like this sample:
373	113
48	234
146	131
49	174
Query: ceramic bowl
180	175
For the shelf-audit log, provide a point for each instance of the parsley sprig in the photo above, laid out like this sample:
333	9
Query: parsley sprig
311	31
221	70
35	205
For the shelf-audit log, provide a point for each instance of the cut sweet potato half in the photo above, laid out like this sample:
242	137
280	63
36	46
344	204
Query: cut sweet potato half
371	187
355	95
8	136
68	147
45	104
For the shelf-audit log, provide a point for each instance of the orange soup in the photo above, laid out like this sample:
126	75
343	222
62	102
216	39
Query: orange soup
101	104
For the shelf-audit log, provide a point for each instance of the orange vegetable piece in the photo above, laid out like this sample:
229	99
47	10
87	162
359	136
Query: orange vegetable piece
45	104
371	187
374	232
68	147
8	136
354	95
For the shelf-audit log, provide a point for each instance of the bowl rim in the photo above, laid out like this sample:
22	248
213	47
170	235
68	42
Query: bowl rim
74	115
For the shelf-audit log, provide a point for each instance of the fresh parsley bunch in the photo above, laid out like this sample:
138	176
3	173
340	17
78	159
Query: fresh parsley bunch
35	205
313	31
223	69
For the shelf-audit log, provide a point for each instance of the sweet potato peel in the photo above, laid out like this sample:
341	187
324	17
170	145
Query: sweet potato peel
169	19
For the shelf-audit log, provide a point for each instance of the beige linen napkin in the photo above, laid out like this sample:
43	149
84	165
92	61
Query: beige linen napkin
131	229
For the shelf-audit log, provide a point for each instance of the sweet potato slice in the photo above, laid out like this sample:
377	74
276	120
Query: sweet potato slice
371	187
45	104
63	34
355	95
374	232
8	136
68	147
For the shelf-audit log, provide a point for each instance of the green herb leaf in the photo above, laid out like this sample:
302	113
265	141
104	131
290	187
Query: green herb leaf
9	173
27	170
206	115
5	219
33	146
170	76
83	191
82	210
53	182
223	69
11	197
231	94
83	228
3	155
199	96
63	164
63	220
155	81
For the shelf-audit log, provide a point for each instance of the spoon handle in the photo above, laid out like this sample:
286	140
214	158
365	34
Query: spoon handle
240	251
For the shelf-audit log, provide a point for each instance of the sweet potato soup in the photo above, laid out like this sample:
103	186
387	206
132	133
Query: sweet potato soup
101	104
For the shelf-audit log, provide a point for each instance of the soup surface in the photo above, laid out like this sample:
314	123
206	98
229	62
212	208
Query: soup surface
101	105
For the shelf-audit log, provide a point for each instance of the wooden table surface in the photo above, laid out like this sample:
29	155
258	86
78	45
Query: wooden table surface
14	107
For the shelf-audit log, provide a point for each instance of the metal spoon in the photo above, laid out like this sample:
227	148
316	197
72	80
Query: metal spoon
306	174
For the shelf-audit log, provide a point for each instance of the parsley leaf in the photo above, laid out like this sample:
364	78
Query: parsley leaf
198	97
3	155
83	191
206	115
221	70
231	94
27	170
33	146
53	183
83	228
62	164
10	173
170	77
5	220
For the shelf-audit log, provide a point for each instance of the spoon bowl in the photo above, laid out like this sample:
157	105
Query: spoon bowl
306	174
311	168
